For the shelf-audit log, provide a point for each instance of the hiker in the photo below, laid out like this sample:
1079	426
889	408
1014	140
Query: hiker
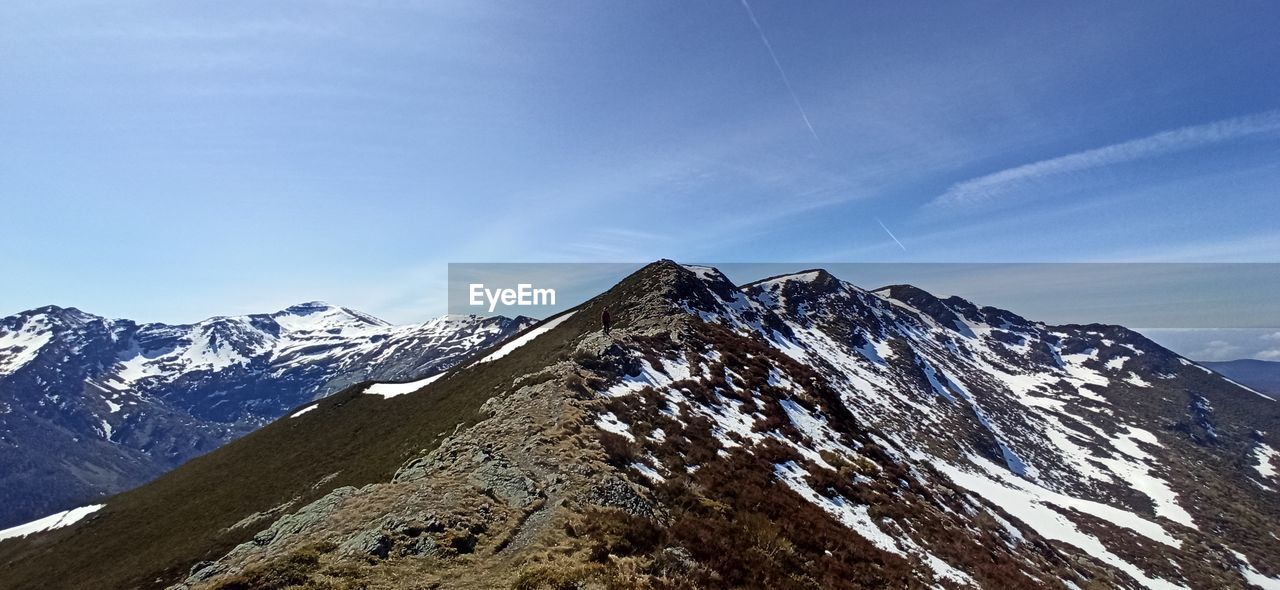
604	320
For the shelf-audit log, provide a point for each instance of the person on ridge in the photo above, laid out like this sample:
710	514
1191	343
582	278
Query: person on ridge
604	320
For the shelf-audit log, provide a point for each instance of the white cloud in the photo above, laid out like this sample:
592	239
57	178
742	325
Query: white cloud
983	189
1218	350
1270	354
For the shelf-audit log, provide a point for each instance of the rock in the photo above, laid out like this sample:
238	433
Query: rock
674	561
277	535
413	471
308	515
505	482
424	545
413	527
375	543
201	571
615	493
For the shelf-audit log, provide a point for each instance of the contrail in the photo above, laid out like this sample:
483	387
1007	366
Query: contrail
785	80
895	238
983	189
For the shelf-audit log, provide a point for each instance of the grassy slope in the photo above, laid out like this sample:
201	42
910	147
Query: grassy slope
151	536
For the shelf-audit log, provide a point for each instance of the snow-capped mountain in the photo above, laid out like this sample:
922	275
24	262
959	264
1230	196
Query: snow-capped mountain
1091	435
91	406
796	432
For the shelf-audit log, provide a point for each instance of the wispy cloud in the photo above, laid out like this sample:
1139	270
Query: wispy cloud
615	243
985	189
786	81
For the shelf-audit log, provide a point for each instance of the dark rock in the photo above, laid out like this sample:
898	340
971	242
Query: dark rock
615	493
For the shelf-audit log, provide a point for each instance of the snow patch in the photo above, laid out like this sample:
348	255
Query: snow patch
22	346
609	422
649	376
703	272
526	338
388	390
858	519
1267	458
854	517
1254	576
1134	379
1032	505
1137	474
649	472
48	523
304	410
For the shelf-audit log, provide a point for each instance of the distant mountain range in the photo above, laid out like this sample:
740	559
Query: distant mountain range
1263	376
798	432
91	406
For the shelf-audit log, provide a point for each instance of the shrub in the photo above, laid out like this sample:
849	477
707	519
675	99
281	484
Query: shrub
618	533
619	450
553	577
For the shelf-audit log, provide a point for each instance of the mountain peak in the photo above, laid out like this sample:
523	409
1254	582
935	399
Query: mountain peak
309	307
814	280
928	303
321	315
67	316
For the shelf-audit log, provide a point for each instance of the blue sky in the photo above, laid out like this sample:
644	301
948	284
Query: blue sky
168	161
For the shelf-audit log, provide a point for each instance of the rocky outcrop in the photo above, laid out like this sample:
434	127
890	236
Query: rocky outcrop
503	487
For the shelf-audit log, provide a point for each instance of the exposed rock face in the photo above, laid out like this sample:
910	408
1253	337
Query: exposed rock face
798	432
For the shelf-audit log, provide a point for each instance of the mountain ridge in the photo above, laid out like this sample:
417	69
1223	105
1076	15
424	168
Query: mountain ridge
767	435
94	405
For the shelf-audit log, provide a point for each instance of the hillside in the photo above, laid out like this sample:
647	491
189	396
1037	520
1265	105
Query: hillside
797	432
1263	376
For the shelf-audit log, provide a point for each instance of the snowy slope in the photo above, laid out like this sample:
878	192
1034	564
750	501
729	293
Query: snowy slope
1085	434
